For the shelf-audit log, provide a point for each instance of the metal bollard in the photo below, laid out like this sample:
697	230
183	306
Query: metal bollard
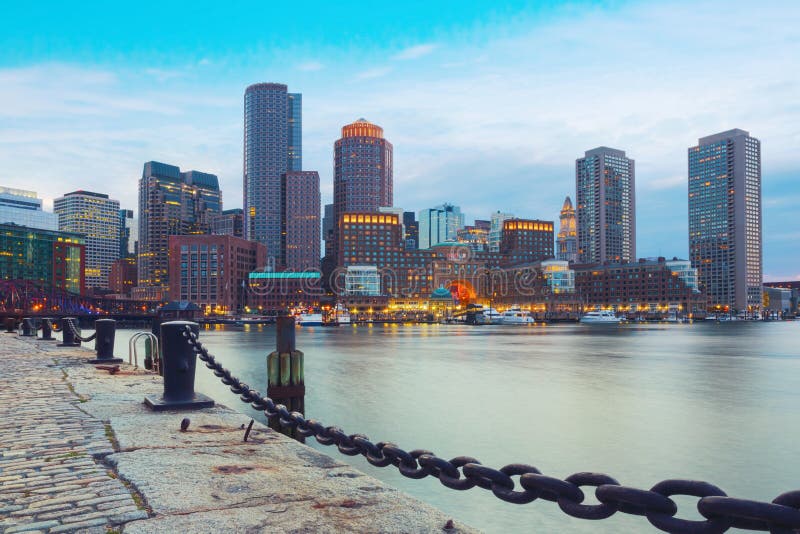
28	328
47	330
11	325
68	336
105	330
178	364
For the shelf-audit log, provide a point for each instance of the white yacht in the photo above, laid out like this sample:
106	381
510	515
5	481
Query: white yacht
308	319
515	316
600	317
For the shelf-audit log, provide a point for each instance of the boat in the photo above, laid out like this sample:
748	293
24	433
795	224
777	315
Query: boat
337	316
600	317
308	319
515	316
485	315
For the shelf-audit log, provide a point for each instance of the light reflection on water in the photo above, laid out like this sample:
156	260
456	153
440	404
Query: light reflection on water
716	402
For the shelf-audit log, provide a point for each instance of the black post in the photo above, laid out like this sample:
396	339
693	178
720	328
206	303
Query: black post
285	370
11	325
285	334
105	330
28	329
67	334
47	330
178	363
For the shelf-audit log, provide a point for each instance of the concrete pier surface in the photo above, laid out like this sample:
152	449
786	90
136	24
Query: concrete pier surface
80	452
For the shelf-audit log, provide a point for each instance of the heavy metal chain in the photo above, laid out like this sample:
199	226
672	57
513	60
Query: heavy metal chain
781	516
77	335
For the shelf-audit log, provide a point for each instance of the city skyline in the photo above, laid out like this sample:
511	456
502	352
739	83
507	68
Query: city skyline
512	154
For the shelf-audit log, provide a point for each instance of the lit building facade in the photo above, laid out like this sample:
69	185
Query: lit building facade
213	271
272	147
496	229
362	281
606	206
279	291
24	208
475	236
725	233
229	222
412	230
97	217
439	224
362	172
53	259
123	276
171	202
300	224
128	233
526	240
567	244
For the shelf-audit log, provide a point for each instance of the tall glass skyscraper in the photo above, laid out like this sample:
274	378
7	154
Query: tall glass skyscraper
272	147
362	172
18	206
439	224
606	206
725	219
97	217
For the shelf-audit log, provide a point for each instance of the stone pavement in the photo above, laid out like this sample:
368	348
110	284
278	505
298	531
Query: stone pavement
79	451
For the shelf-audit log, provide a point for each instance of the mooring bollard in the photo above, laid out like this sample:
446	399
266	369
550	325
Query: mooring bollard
11	325
47	330
285	381
28	328
68	334
178	364
105	330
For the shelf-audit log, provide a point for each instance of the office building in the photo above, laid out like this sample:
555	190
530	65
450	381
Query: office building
475	236
123	276
362	281
272	147
213	271
128	234
229	222
300	224
527	240
171	202
439	224
567	243
21	207
411	230
496	230
725	219
97	217
53	259
605	206
362	172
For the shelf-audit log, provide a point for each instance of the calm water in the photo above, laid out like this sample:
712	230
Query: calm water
716	402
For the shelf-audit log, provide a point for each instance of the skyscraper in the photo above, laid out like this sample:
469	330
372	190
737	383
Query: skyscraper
439	224
300	235
97	217
272	147
171	202
725	218
18	206
362	172
606	206
496	230
128	234
567	249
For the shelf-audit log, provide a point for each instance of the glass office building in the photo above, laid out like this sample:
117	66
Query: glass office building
21	207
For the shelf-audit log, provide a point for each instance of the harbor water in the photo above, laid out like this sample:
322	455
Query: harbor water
718	402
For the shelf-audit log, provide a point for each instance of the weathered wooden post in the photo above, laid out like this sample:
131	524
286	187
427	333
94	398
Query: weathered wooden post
285	381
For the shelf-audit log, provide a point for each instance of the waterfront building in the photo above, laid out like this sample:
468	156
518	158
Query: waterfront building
645	287
271	291
605	206
213	271
567	247
725	219
123	276
778	301
526	240
684	270
229	222
560	279
171	202
97	217
300	224
794	287
362	172
496	230
272	147
53	259
362	281
439	224
128	233
412	230
475	236
18	206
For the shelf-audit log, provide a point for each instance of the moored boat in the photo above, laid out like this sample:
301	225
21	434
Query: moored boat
600	317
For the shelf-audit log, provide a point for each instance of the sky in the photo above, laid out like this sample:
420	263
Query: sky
487	104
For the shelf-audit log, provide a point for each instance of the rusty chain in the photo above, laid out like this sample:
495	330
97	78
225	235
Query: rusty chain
77	335
781	516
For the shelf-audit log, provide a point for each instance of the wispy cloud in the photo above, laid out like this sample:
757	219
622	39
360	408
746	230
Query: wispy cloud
310	66
377	72
415	52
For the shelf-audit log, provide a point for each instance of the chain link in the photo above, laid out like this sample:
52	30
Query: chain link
77	335
462	473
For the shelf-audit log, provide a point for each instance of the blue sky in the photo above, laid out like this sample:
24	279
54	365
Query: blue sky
487	103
